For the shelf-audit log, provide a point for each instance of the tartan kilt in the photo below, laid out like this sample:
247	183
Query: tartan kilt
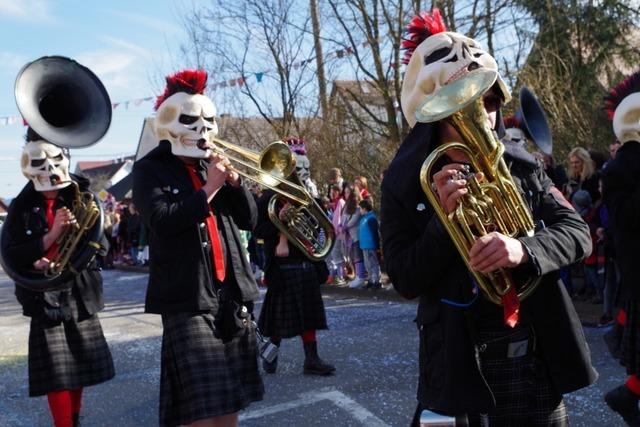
630	354
69	355
522	387
295	305
201	377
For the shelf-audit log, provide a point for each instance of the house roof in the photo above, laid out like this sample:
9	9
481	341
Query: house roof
365	91
3	206
92	164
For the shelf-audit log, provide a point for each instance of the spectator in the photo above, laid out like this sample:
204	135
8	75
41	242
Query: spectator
613	149
369	238
334	178
554	171
349	221
582	174
591	288
336	258
133	233
362	186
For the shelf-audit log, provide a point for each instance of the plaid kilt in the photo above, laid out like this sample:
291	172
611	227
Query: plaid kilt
295	305
630	354
521	386
201	377
69	355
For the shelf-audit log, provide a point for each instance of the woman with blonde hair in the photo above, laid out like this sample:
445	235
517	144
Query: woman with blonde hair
582	174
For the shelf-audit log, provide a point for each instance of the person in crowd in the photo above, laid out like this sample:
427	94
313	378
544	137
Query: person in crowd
583	174
293	303
496	364
200	282
67	348
349	221
133	234
336	258
361	185
369	240
613	149
554	171
593	286
334	178
621	190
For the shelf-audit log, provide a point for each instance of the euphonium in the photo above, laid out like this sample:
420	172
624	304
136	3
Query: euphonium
491	204
304	223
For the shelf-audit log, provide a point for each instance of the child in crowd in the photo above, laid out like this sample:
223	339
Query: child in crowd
369	238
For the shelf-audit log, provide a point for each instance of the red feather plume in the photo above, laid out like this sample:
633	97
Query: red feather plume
419	29
616	94
189	81
511	122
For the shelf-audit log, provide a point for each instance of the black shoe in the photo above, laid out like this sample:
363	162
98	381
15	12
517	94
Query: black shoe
369	285
313	365
270	367
624	402
76	420
376	286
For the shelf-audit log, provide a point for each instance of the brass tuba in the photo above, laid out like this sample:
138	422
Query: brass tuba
67	105
305	224
492	204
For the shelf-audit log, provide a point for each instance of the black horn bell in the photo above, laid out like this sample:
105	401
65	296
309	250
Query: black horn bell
63	101
534	121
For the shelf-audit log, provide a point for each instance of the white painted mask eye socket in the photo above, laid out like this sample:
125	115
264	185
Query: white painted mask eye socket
45	165
626	120
439	60
186	121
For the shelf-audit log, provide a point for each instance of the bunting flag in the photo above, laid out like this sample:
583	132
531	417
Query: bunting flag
240	81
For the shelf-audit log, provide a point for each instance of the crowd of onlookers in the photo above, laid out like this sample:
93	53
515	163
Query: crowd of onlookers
126	233
595	279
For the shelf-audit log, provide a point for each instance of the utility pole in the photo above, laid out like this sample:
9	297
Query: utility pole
322	83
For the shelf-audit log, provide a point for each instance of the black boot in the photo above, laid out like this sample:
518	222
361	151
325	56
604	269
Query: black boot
76	420
624	402
313	365
271	367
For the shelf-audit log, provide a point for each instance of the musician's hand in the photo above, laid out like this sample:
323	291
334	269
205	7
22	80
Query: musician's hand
42	263
494	251
282	249
284	212
216	174
233	178
448	187
63	218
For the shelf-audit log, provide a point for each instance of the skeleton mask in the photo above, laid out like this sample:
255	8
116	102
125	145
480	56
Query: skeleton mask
516	134
45	165
187	122
626	120
439	60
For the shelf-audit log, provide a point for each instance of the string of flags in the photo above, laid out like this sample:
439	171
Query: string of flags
234	82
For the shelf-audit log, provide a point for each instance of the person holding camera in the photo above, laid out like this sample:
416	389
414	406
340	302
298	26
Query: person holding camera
293	304
199	279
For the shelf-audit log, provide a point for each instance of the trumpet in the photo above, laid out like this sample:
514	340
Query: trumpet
305	224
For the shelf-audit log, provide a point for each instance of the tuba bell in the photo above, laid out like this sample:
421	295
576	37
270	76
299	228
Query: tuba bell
67	105
493	204
534	121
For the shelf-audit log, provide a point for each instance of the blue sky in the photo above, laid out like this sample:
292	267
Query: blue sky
130	45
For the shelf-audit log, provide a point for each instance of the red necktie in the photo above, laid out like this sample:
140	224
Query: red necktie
212	229
50	215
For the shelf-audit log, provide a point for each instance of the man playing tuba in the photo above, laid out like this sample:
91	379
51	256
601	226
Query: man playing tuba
508	362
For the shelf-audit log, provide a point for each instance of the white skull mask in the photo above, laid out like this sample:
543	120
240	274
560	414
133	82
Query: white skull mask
187	121
439	60
516	134
626	120
45	165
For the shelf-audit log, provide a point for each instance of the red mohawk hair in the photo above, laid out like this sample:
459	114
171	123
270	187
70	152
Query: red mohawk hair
419	29
189	81
511	122
616	94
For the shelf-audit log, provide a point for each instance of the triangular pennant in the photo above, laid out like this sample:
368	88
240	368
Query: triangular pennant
259	77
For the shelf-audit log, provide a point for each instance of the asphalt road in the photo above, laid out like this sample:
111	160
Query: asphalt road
372	342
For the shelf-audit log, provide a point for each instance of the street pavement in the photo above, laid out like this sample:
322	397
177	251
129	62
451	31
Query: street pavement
372	341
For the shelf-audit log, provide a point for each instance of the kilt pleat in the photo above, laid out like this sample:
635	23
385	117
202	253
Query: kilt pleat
201	377
69	355
293	306
630	355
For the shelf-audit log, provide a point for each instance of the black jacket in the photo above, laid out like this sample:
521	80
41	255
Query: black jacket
621	192
422	262
179	266
23	231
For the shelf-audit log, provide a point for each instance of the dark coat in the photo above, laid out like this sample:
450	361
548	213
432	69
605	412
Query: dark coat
422	262
179	266
23	231
621	188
